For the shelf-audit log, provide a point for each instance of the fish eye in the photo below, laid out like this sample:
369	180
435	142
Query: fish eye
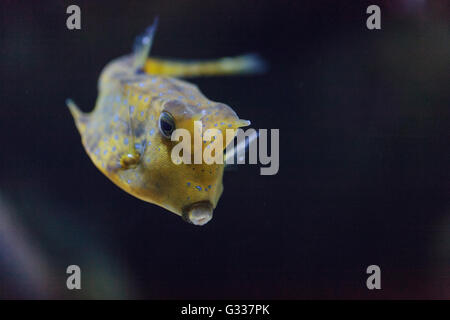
166	124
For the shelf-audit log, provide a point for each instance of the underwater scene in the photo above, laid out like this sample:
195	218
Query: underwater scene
281	150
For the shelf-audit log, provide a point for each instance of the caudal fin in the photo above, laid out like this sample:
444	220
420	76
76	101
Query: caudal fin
243	64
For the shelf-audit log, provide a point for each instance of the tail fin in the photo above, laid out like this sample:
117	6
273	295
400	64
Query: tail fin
244	64
79	117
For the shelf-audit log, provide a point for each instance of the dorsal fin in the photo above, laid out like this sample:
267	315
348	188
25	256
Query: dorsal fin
142	45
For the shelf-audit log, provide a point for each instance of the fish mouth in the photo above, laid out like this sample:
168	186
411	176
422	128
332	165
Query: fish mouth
198	213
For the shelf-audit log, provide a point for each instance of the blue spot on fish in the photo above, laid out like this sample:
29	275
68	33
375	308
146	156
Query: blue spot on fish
198	188
125	141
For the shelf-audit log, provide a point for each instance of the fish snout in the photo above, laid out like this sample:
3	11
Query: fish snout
198	213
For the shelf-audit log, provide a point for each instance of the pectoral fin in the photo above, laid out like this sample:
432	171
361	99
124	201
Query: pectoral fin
232	154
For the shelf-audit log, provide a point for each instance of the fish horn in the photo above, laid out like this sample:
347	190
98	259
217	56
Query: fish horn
80	117
242	123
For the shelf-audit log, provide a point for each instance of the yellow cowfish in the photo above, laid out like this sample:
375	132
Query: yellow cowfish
140	104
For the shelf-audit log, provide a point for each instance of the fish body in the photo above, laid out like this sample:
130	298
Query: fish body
126	134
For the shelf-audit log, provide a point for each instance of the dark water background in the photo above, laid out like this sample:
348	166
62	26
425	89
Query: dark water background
364	154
